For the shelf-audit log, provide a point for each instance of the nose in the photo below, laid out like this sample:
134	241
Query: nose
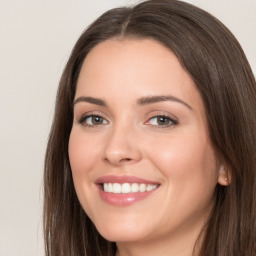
122	147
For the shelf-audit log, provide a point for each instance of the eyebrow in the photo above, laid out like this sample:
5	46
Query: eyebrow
141	101
91	100
154	99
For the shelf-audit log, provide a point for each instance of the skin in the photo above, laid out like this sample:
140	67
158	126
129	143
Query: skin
130	141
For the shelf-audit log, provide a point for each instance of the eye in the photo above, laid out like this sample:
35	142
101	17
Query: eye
162	120
92	120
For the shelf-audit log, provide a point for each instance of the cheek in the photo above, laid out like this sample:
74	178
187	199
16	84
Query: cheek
189	170
82	157
82	153
186	162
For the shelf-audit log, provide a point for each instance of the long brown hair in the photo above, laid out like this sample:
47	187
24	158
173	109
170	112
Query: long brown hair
217	64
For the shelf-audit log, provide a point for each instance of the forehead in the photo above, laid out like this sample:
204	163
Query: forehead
130	57
132	68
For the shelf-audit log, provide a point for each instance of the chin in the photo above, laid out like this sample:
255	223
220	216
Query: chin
121	232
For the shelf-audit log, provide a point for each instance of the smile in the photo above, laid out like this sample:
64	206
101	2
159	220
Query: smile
125	188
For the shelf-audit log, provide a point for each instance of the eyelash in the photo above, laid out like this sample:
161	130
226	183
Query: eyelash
83	119
172	121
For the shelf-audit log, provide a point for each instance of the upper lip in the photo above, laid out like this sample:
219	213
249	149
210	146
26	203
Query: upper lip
123	179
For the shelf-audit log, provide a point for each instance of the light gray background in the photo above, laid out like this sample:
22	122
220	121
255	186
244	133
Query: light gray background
36	38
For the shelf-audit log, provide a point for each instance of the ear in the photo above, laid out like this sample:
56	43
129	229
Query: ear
224	177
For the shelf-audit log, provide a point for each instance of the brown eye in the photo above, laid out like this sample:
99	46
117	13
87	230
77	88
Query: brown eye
96	120
92	120
162	121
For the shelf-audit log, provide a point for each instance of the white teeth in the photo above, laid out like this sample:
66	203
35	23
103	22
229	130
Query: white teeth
105	187
127	187
110	187
116	188
151	187
135	188
142	187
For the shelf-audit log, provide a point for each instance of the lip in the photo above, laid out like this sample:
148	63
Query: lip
123	179
127	199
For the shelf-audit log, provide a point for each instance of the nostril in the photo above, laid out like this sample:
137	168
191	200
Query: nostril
126	160
118	161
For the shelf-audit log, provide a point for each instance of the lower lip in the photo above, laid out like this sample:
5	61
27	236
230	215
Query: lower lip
124	199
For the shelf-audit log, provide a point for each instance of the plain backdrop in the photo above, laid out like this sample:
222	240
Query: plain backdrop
36	38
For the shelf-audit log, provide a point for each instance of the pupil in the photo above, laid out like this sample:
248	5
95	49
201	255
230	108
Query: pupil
162	120
96	120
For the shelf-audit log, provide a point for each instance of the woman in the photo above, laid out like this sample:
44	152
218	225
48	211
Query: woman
152	147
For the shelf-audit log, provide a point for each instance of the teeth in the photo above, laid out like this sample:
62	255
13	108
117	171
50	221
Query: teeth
135	187
142	187
127	187
149	187
117	188
105	187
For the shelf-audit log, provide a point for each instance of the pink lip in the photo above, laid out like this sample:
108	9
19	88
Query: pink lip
123	179
123	199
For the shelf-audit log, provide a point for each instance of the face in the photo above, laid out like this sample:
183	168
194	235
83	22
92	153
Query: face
142	163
